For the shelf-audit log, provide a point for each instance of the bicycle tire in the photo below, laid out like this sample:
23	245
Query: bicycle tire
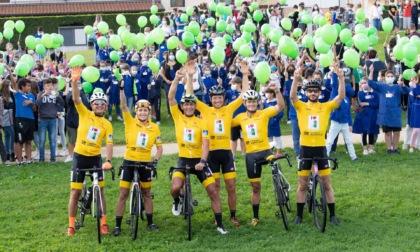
97	203
134	211
278	190
80	206
309	196
320	204
285	188
187	208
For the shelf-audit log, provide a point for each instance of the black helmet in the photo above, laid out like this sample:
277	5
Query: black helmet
312	84
188	98
216	90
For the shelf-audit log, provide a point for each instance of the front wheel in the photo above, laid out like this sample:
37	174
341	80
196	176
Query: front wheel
134	211
280	200
98	213
286	190
309	196
320	204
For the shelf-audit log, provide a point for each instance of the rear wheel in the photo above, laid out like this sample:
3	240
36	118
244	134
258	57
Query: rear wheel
285	188
320	204
309	197
188	209
98	212
134	211
281	200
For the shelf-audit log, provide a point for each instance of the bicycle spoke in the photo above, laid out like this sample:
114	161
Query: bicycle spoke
320	204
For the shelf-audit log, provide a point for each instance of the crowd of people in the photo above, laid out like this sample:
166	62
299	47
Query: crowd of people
214	106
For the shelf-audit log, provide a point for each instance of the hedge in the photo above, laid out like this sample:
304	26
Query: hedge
50	24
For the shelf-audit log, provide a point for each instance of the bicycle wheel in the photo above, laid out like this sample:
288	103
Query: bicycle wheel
285	188
309	196
280	199
187	209
320	204
97	204
81	207
134	211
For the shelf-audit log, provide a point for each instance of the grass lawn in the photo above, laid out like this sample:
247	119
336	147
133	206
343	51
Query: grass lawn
374	197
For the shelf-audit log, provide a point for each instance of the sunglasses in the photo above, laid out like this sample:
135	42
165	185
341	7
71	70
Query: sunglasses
100	102
312	90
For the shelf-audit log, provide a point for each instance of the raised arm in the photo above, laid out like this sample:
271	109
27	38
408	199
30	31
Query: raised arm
190	70
76	72
293	89
279	97
245	71
172	91
341	85
123	100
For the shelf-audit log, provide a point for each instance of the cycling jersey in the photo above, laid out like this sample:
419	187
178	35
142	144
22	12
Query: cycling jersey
140	139
190	131
313	121
255	129
219	122
91	132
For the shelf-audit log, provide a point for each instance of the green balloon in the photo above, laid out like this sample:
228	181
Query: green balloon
1	68
55	38
322	21
1	36
410	51
361	41
30	42
230	28
297	32
154	9
114	56
254	5
154	65
258	15
28	59
283	2
306	19
40	49
360	14
286	45
102	41
249	27
387	24
265	29
329	34
90	74
227	38
115	41
181	56
154	19
159	35
117	73
184	17
262	72
307	41
338	28
238	43
350	43
199	38
189	10
149	39
403	41
372	31
221	26
360	28
316	19
217	55
212	6
76	60
61	83
121	31
351	58
408	73
88	29
220	8
22	69
324	60
142	21
295	51
321	46
172	42
9	24
246	51
210	21
345	35
247	36
188	39
275	35
286	24
238	3
220	42
398	51
141	39
194	28
8	33
103	27
20	26
87	87
373	40
120	18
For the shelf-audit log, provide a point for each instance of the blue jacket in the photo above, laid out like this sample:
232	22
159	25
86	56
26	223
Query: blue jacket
365	120
232	95
274	122
415	113
341	114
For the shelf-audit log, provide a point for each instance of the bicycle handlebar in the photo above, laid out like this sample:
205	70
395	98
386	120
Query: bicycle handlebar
136	165
316	159
96	169
266	161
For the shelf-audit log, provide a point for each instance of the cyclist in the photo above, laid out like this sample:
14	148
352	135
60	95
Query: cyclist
193	143
254	125
313	118
141	134
219	119
93	129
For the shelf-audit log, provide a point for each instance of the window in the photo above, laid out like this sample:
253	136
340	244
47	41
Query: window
177	3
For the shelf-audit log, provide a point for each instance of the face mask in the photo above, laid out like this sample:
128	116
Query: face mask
273	68
379	79
308	64
232	71
102	68
212	65
120	53
164	22
61	71
412	84
393	58
299	88
152	50
317	57
222	65
145	63
133	73
136	60
365	86
233	86
108	68
238	64
10	49
57	50
171	57
390	80
207	72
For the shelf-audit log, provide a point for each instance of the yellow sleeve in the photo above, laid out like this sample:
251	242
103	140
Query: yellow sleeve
109	133
200	106
81	109
332	105
127	118
236	120
235	104
270	112
298	105
175	111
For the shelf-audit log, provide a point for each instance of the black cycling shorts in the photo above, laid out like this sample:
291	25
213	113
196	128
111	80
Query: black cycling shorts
204	176
254	171
235	133
83	162
387	129
127	174
24	130
222	159
310	152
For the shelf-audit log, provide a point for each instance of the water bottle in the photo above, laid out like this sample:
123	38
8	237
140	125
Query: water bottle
88	198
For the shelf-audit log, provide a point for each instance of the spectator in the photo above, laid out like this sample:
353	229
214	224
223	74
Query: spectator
7	118
415	14
349	17
406	15
376	15
415	113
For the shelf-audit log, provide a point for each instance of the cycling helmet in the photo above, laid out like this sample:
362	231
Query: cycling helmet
98	96
216	90
143	104
312	84
188	98
250	95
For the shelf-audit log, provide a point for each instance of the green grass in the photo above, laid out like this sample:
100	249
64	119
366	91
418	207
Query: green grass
375	198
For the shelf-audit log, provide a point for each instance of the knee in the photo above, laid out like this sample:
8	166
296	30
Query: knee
123	195
256	188
75	193
302	187
146	193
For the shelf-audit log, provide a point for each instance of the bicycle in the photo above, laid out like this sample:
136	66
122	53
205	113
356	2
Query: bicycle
280	184
315	194
136	195
187	203
91	200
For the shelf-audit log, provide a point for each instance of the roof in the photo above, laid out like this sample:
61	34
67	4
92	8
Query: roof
46	9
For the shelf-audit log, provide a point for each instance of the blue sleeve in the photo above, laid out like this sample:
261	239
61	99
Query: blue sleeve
375	102
327	84
334	86
349	91
350	119
374	85
405	90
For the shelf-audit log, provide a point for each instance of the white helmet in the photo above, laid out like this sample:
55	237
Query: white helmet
143	104
250	95
98	96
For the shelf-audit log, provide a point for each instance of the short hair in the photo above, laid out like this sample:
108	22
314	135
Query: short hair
372	54
23	82
237	80
390	72
48	81
54	80
412	26
40	28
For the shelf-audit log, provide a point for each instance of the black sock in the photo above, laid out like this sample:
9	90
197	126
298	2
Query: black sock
232	213
331	208
255	208
149	219
176	200
218	217
300	207
118	220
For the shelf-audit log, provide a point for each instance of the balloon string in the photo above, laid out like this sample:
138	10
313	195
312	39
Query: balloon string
386	37
19	37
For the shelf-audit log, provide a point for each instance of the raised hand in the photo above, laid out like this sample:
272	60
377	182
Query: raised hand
76	72
244	67
190	68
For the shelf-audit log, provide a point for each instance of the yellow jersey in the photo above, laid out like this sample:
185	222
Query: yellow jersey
313	121
190	133
91	132
255	129
219	123
140	139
